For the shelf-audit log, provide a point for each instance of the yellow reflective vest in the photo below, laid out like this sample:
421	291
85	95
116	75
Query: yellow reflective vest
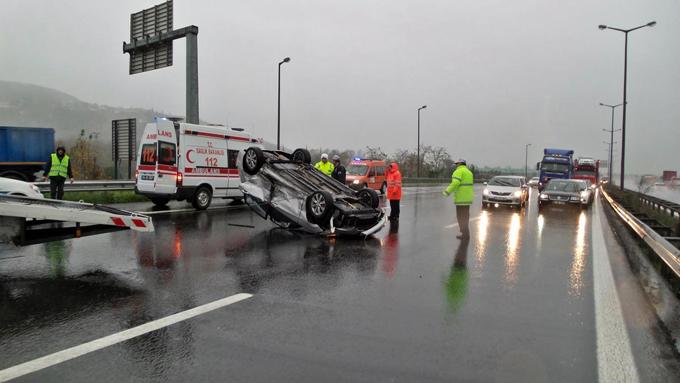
326	168
59	168
462	186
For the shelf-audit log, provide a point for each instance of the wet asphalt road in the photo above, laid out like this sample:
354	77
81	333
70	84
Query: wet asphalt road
514	303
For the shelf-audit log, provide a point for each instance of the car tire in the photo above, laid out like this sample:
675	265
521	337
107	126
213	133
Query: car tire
301	155
369	197
383	188
160	201
202	198
319	208
253	159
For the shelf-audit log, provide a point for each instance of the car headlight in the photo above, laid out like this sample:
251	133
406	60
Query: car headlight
485	192
544	196
517	194
356	182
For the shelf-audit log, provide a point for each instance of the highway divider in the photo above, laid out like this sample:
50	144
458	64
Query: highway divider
660	245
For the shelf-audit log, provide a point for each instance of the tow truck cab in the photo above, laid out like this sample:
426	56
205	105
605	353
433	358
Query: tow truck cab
180	161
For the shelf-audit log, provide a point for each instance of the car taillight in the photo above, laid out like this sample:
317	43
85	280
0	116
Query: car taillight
180	178
136	174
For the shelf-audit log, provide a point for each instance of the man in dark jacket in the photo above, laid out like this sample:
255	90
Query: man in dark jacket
58	168
339	171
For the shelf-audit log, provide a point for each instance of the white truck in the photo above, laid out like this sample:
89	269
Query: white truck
196	163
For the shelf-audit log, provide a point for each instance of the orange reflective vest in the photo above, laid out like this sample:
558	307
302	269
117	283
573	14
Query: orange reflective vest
393	177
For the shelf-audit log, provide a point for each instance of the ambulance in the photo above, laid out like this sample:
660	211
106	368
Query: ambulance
196	163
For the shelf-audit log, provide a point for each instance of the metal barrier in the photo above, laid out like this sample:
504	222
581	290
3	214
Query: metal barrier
91	186
668	253
670	208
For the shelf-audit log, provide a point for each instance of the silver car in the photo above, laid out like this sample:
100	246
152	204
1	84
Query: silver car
286	189
19	188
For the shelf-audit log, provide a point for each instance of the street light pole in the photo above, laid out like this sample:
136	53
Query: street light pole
526	161
418	159
278	114
625	80
611	140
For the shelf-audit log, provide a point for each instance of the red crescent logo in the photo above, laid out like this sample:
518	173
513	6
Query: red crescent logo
189	158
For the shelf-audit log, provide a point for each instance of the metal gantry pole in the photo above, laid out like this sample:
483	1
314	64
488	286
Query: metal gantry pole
192	76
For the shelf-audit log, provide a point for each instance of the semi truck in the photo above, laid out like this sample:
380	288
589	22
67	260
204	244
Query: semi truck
24	151
556	163
587	169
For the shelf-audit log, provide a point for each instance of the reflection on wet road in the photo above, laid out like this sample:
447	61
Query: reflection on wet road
512	303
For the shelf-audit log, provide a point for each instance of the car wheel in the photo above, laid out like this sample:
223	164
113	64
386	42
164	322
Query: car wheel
253	160
202	198
160	201
383	188
320	208
302	155
369	197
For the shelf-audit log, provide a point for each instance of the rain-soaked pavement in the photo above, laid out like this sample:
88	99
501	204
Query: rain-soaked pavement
514	303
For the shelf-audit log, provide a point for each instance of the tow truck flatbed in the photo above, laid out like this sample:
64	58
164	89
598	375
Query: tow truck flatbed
26	221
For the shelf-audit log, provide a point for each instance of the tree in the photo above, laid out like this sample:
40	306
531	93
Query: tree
84	157
375	153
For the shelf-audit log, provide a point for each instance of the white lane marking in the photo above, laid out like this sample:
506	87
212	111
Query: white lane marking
98	344
455	224
615	362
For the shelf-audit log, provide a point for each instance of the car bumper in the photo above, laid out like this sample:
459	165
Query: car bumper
501	201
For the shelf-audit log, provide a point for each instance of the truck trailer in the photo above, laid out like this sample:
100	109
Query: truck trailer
24	151
587	169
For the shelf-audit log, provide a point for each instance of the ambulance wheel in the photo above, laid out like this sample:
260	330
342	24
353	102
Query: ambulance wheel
383	188
320	208
253	160
369	197
302	155
202	198
160	201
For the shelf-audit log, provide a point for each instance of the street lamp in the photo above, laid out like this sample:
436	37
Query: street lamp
278	114
418	160
526	160
611	139
625	75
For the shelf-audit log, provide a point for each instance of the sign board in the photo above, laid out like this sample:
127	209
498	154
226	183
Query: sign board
124	134
149	25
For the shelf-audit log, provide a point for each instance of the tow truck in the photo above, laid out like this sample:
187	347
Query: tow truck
26	221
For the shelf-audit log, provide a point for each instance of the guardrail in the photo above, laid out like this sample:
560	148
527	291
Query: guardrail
92	186
659	205
668	253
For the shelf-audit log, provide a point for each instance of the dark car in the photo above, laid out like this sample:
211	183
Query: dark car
286	189
564	193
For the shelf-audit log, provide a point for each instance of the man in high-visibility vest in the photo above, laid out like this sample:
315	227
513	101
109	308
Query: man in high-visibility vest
462	187
324	165
58	168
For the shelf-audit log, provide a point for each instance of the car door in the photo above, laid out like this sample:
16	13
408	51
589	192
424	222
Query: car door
166	168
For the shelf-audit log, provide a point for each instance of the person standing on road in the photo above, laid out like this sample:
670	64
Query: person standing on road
462	187
339	171
393	178
58	168
324	165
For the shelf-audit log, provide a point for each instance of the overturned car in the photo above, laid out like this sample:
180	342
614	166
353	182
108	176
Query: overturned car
286	189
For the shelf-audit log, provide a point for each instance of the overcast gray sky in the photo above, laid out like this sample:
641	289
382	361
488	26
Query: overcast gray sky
495	74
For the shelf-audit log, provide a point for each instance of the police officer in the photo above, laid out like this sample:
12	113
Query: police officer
462	188
58	168
339	171
324	165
